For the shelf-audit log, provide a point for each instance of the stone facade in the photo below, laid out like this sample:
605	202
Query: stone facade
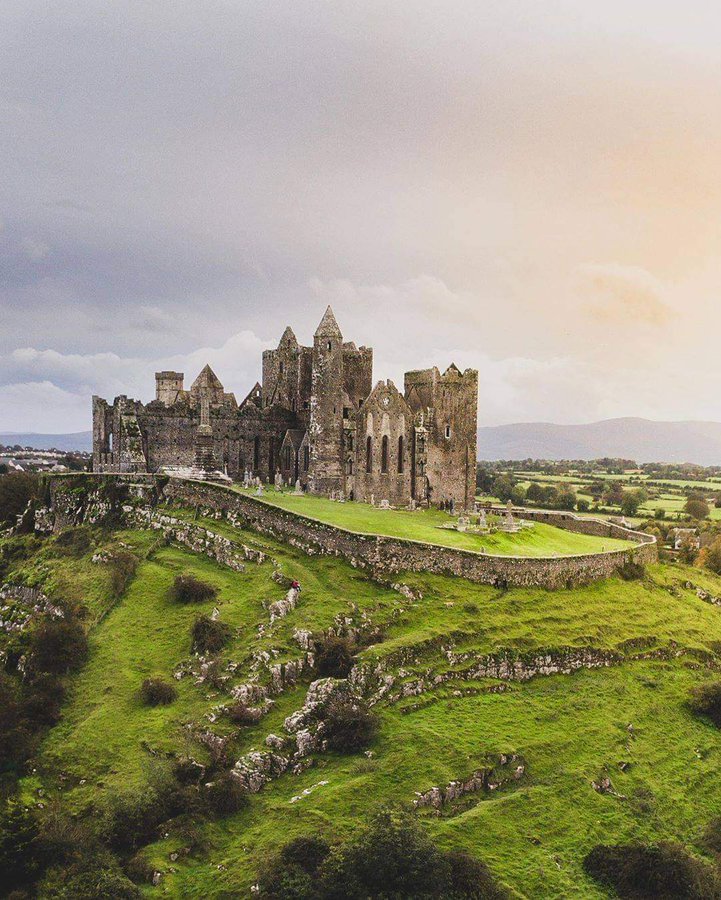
316	418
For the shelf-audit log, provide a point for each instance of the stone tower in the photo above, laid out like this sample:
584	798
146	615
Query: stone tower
325	430
168	387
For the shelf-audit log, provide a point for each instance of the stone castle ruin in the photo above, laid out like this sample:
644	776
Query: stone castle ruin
316	420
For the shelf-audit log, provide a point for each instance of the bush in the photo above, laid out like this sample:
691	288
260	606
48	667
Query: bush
58	646
705	700
470	878
17	489
391	856
123	566
132	819
662	871
292	875
224	796
632	571
697	508
334	657
712	836
189	589
156	692
349	726
16	742
74	541
42	699
712	557
19	848
308	853
91	882
139	869
242	714
209	635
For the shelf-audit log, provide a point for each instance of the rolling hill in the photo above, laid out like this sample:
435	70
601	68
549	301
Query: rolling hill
630	438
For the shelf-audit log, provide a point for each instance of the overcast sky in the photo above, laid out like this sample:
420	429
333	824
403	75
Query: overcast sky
532	189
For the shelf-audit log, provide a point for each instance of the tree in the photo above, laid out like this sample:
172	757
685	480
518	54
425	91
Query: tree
630	502
613	494
534	494
58	646
712	557
566	498
16	491
697	508
518	495
503	488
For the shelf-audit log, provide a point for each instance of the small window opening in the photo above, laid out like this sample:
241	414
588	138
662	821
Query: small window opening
448	431
384	454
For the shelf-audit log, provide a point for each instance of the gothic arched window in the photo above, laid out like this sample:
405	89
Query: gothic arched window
384	454
369	454
400	455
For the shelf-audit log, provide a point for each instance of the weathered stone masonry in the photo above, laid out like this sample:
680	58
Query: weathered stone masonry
385	556
316	419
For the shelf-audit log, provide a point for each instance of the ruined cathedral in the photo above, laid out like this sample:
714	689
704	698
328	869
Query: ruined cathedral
317	420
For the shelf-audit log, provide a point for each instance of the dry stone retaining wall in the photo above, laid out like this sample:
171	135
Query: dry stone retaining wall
384	556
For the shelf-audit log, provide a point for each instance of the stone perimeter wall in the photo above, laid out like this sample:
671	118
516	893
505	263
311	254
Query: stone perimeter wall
384	556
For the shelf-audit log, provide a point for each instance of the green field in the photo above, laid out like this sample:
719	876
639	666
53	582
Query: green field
426	525
569	729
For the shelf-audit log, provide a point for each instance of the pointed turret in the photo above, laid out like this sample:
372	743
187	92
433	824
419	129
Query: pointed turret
328	326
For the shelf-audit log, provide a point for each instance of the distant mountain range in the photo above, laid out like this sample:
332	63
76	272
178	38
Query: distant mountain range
639	439
79	440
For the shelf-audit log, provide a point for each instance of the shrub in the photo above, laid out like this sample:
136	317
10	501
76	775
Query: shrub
58	646
17	489
632	571
188	771
225	795
123	565
90	882
712	556
712	836
42	699
349	725
662	871
189	589
308	853
74	541
19	847
334	657
705	700
209	635
390	856
242	714
582	505
139	869
16	741
697	508
294	872
470	878
132	819
156	692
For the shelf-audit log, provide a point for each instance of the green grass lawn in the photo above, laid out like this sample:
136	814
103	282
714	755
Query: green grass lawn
425	525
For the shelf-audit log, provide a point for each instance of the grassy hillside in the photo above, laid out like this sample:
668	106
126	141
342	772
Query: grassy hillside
627	719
